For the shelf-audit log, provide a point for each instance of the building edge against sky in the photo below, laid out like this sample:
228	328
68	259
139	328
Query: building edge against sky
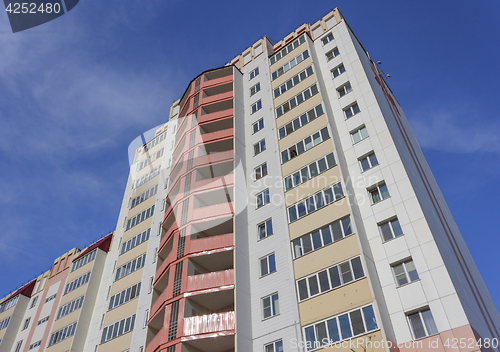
285	204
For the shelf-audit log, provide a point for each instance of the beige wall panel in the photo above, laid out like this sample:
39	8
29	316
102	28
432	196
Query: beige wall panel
334	302
80	271
376	344
127	281
80	291
302	132
298	68
288	56
121	312
312	186
307	157
299	110
133	253
66	320
289	94
151	166
137	229
64	345
325	257
117	344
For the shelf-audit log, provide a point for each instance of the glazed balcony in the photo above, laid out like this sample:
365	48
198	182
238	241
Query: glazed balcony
209	324
210	280
216	93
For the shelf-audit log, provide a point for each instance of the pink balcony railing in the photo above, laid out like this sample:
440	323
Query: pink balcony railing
208	323
210	280
209	243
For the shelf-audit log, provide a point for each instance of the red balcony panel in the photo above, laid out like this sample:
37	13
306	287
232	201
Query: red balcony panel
213	211
157	341
210	323
215	82
214	116
216	98
209	184
211	137
209	243
210	280
205	160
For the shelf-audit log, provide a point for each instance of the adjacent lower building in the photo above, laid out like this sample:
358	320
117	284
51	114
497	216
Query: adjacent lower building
284	206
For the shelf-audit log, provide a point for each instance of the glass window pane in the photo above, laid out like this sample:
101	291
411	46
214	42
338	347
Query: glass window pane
296	178
282	132
357	322
416	325
296	80
346	224
313	285
303	119
306	244
272	264
302	289
297	248
328	195
292	213
321	333
301	209
345	327
384	191
314	169
307	93
269	227
375	196
309	143
284	156
333	330
334	276
311	206
293	103
322	165
346	273
386	231
370	321
316	238
314	89
300	147
396	228
304	173
429	322
364	132
412	271
356	137
320	201
263	267
357	268
279	346
310	338
364	164
337	231
326	234
296	124
323	281
276	306
316	138
373	160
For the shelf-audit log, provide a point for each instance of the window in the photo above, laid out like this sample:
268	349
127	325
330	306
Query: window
18	346
265	229
390	229
368	161
258	125
296	100
4	323
137	219
130	267
405	272
149	160
149	175
379	193
254	73
341	327
256	107
83	260
124	296
293	81
196	98
9	304
33	302
287	49
337	71
36	344
351	110
259	147
48	299
330	278
26	324
43	320
144	196
327	39
62	334
343	90
262	198
359	134
118	329
315	202
304	145
261	171
300	121
310	171
289	65
333	232
422	323
255	89
270	306
332	53
135	241
68	308
267	265
276	346
79	281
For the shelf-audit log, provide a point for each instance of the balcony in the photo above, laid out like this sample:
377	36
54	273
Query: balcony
210	263
210	243
210	280
209	324
210	228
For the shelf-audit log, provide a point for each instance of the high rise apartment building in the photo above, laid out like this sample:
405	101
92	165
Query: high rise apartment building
284	206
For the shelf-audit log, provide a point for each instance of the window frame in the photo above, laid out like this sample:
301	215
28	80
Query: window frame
258	124
262	146
377	188
389	222
326	39
403	263
356	131
257	105
267	258
350	111
263	194
422	321
275	310
338	69
274	348
261	168
344	89
265	226
254	73
367	157
335	51
255	88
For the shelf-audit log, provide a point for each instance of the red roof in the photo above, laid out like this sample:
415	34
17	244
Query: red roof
103	244
26	290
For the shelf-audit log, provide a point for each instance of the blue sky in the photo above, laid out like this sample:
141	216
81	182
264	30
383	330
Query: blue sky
76	91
